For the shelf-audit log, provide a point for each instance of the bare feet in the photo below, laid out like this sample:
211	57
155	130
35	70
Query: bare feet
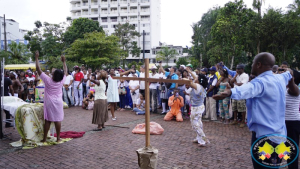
58	140
43	141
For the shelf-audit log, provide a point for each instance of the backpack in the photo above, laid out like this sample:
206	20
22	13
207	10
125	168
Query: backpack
168	85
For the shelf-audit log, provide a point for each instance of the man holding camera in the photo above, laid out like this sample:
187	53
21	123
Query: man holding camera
170	75
175	102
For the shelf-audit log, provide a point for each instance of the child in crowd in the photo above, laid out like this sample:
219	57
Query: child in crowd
164	96
31	90
122	94
140	105
88	102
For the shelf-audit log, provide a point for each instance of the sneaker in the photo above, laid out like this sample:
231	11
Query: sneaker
195	141
114	118
162	113
234	122
242	125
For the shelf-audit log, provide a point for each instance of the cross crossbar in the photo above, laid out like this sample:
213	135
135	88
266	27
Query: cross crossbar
188	82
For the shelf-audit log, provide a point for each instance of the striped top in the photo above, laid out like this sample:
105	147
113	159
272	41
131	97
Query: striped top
292	107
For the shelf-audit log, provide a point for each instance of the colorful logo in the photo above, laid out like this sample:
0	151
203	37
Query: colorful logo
267	152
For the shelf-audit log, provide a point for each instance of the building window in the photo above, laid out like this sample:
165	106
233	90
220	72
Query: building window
104	26
153	52
146	51
146	25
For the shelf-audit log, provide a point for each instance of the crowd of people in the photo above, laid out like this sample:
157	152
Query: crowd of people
215	93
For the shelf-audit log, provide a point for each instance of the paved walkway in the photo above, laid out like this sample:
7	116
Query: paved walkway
115	147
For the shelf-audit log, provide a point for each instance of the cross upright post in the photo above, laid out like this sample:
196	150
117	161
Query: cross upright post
147	100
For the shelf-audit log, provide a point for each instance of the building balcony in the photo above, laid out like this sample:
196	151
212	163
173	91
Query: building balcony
123	11
133	11
94	3
104	12
133	19
104	20
85	13
85	4
114	20
145	1
114	11
114	2
104	3
145	10
145	19
133	1
73	1
76	14
123	2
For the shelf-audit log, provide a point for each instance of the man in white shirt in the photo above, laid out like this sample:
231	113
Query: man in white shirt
153	88
67	90
142	83
239	79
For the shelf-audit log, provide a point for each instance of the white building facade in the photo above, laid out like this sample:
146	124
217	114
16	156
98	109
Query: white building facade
143	14
181	52
13	32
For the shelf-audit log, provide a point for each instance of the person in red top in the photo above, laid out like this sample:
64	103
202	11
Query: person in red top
78	78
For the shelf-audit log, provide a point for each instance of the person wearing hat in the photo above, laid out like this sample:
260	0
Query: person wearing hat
153	88
211	110
239	79
204	71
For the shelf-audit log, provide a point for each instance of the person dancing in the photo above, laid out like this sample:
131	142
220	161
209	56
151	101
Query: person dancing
197	97
53	103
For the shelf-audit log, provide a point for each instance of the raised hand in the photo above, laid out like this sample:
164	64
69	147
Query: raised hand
223	95
63	58
37	54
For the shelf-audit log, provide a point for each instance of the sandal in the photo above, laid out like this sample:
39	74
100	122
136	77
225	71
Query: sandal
97	129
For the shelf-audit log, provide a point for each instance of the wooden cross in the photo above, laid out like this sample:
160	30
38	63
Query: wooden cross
147	94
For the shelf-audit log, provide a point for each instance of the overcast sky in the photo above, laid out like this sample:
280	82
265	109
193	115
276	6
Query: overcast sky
177	16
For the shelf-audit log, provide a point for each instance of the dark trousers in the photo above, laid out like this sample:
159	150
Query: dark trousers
84	91
128	100
293	132
274	156
122	101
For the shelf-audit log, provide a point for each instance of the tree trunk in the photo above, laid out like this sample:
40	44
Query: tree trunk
200	60
232	60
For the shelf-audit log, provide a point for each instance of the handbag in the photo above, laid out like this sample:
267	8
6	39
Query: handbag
122	91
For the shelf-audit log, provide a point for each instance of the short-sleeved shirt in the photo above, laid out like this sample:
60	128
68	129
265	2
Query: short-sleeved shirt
173	77
78	76
243	78
214	81
154	84
30	78
142	84
68	80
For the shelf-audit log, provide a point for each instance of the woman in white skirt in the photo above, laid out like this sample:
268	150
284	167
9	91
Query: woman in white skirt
197	97
134	86
112	90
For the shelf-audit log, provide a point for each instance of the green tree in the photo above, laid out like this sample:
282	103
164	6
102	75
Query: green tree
46	38
95	49
166	54
17	53
78	28
182	61
126	34
135	50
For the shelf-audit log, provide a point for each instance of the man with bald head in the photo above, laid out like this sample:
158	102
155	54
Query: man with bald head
265	101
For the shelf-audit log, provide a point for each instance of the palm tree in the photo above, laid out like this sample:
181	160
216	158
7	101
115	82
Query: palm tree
166	53
257	5
17	53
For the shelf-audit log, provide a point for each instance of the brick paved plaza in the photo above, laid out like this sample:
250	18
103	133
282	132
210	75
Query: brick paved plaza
115	147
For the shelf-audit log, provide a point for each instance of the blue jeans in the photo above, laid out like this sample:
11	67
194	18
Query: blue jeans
138	111
122	101
68	94
158	96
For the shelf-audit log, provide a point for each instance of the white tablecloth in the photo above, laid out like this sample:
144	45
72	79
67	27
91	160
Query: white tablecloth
11	104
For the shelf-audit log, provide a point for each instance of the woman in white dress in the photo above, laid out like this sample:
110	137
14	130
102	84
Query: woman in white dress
134	86
112	90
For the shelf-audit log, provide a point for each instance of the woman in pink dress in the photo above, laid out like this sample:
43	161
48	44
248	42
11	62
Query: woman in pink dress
53	103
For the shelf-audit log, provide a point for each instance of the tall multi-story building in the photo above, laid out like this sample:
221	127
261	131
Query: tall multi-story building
143	14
